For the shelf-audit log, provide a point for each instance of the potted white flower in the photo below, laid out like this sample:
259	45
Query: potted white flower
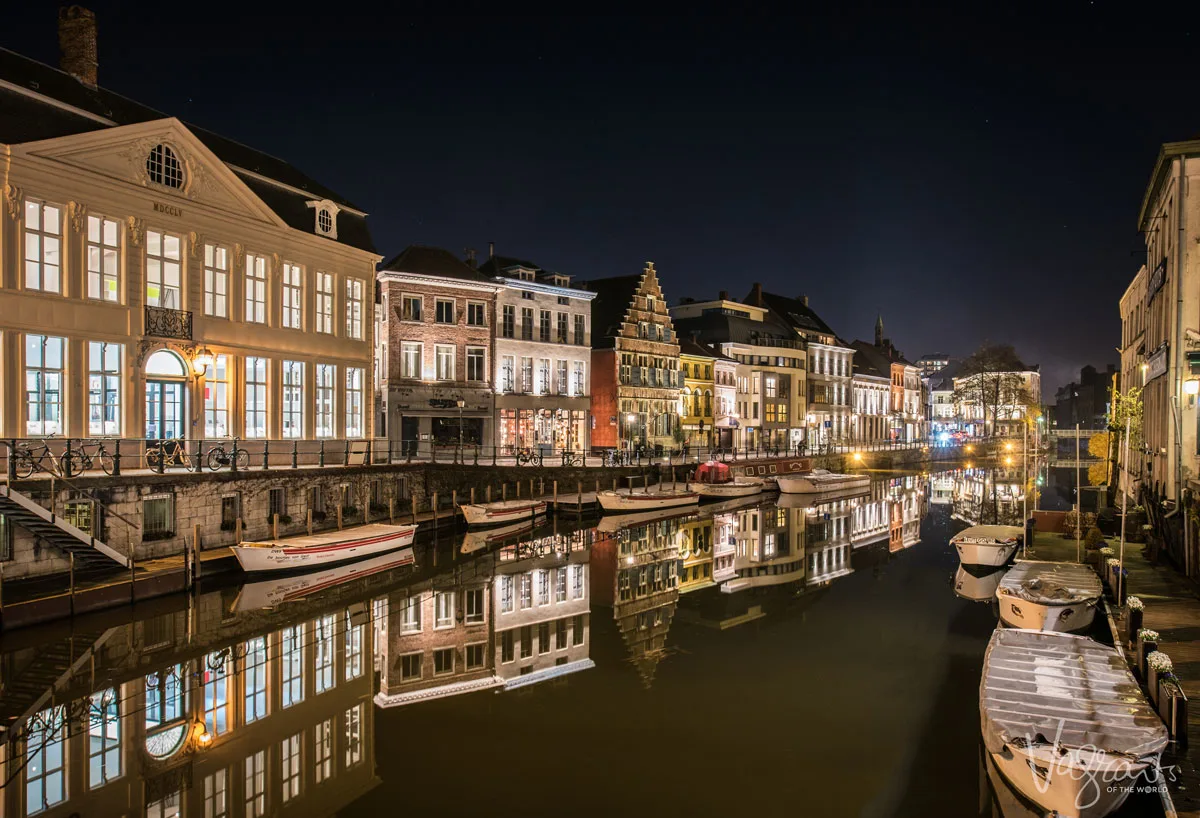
1147	643
1158	665
1135	609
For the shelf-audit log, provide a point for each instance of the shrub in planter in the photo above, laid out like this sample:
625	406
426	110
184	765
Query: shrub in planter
1147	643
1094	539
1158	665
1134	611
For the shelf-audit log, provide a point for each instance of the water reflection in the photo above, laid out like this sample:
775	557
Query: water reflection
980	496
241	700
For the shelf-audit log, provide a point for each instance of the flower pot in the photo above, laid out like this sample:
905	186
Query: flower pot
1166	686
1152	685
1175	705
1133	624
1144	650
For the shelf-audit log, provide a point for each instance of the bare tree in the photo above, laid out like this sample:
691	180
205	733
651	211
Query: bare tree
990	381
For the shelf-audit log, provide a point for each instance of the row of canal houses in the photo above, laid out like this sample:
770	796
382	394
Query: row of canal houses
215	706
158	280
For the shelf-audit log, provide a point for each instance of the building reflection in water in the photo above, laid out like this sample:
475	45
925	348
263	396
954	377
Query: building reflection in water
206	711
982	496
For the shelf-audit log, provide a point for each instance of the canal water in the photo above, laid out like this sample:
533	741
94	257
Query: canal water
775	657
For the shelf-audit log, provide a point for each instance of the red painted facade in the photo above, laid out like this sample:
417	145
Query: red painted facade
604	398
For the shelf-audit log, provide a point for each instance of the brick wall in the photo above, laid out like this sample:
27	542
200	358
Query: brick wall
604	398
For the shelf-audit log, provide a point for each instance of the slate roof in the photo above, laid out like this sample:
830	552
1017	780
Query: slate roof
614	296
689	347
716	328
24	118
433	261
868	360
794	312
500	265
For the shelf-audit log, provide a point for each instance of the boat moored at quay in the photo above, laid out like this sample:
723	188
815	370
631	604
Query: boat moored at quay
987	545
326	548
1049	596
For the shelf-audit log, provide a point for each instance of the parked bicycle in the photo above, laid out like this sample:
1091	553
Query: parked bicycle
26	459
79	459
218	457
572	458
528	456
173	453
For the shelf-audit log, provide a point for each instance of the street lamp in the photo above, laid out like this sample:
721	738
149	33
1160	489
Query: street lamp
461	403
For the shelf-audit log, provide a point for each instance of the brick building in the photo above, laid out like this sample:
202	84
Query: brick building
635	363
436	358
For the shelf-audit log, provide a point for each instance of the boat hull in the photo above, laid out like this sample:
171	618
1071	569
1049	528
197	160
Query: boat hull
1021	613
976	588
278	590
626	501
735	488
501	514
259	559
990	554
1071	789
802	484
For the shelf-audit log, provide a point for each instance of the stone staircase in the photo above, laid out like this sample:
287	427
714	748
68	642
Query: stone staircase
52	529
33	680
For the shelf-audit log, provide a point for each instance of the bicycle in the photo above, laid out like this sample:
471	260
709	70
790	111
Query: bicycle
528	456
572	459
26	459
173	453
82	460
218	457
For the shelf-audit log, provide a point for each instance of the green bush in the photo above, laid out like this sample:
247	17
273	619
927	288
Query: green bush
1094	539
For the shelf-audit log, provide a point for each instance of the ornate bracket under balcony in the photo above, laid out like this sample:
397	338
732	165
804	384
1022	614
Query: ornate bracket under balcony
162	322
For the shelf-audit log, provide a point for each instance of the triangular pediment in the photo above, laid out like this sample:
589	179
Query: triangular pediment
121	154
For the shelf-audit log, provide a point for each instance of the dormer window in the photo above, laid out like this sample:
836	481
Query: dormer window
164	168
325	215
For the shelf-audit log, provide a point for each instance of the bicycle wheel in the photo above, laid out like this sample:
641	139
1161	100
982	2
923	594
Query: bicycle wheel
214	458
107	462
22	464
536	459
243	458
152	459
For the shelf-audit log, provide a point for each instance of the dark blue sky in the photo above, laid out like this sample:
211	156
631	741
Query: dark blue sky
973	174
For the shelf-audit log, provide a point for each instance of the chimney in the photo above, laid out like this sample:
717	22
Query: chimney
804	300
471	257
491	249
756	295
723	295
77	43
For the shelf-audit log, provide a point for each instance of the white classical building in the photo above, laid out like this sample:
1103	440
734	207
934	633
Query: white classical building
543	357
161	281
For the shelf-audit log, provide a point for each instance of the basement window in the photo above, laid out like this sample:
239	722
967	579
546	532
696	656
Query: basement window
158	517
6	539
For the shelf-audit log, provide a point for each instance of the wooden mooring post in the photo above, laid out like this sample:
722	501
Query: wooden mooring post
195	553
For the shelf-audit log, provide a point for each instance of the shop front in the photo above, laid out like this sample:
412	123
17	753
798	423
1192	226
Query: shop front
424	417
560	425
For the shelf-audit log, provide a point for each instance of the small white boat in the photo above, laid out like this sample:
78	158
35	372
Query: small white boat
646	500
275	591
977	588
991	545
1049	596
771	483
819	481
502	511
714	480
478	540
326	548
1065	722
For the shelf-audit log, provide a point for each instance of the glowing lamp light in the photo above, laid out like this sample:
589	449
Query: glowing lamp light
202	361
1191	387
631	417
1008	461
1008	447
204	738
858	456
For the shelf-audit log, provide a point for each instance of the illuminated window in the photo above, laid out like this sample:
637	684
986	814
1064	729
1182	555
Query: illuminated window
324	303
164	270
256	784
293	399
323	644
326	378
216	693
443	616
256	679
104	389
216	795
323	751
44	364
506	595
292	295
353	650
354	308
216	398
104	738
216	281
410	360
256	289
43	247
354	735
103	258
256	397
444	360
292	665
410	615
354	401
289	767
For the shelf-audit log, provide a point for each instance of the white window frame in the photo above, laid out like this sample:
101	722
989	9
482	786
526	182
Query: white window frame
104	383
355	378
481	308
216	281
438	351
254	309
43	247
443	610
406	371
438	302
291	291
324	302
103	254
169	267
481	354
216	398
406	300
253	389
354	308
45	427
292	401
326	400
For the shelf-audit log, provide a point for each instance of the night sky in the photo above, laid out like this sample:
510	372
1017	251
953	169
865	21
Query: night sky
973	175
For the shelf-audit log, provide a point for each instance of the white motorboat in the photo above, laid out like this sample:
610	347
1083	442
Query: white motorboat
977	587
1049	596
770	483
326	548
819	481
991	545
283	589
714	480
502	511
646	499
1066	723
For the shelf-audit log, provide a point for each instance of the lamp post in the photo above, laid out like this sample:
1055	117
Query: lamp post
461	403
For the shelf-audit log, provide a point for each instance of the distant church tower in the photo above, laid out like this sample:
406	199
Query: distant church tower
879	331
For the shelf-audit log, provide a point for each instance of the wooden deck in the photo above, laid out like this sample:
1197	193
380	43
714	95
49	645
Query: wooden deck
1172	609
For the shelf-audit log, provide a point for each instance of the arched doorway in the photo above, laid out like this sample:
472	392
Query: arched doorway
166	382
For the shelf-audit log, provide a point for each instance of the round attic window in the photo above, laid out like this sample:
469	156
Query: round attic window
324	220
164	167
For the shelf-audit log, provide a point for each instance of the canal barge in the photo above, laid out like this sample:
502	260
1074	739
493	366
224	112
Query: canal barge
820	481
990	545
501	512
326	548
713	481
1049	596
1065	722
